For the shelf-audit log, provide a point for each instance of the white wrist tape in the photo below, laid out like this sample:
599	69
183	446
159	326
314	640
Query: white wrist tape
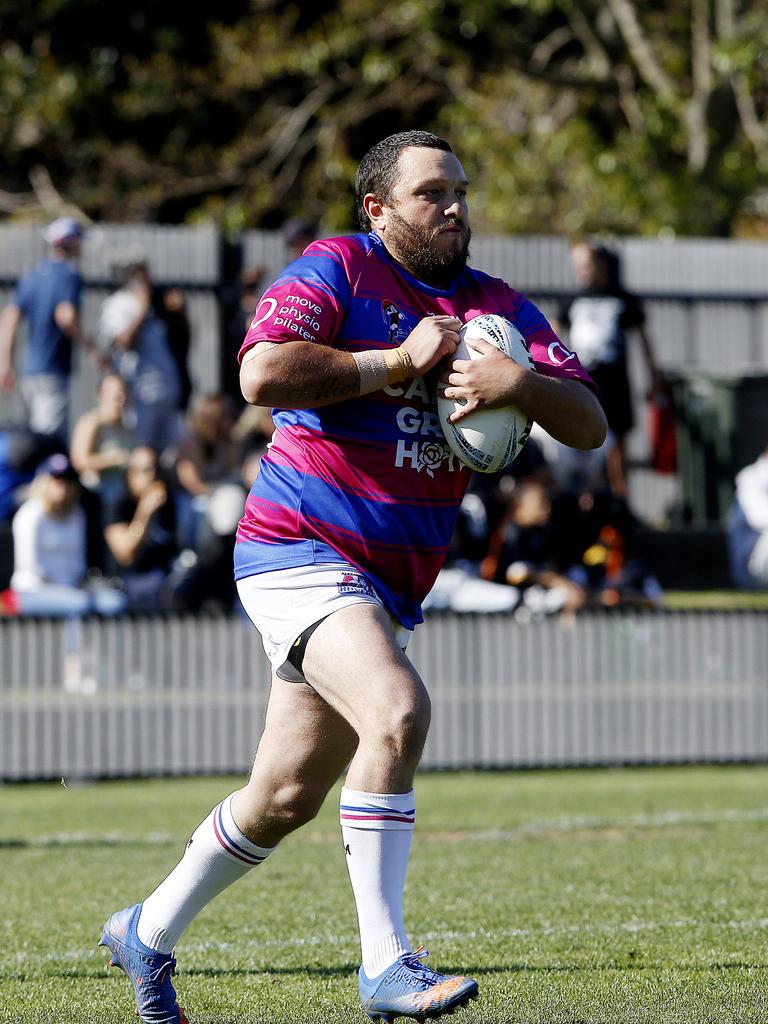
373	371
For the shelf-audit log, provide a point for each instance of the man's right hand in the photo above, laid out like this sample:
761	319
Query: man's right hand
152	499
7	380
431	340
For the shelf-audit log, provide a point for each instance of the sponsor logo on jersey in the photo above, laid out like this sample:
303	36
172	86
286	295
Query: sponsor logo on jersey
425	455
559	354
397	323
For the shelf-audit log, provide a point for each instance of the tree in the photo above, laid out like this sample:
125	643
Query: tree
571	115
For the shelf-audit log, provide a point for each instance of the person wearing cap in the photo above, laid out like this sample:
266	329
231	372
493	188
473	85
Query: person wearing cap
49	550
48	297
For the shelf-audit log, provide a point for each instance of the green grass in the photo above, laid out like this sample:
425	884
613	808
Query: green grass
574	897
718	600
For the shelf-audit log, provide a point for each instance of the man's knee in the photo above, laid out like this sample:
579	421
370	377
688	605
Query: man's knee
401	726
293	804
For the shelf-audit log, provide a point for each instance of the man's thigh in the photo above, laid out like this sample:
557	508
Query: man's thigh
304	748
354	661
286	604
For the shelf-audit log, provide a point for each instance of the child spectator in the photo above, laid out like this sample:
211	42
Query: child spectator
523	554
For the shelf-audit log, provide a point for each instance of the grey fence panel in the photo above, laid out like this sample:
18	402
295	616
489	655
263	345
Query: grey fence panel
177	696
179	255
265	249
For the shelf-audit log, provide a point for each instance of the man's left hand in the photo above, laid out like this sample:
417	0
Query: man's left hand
487	383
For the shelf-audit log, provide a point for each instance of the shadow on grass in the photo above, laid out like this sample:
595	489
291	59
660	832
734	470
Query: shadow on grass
349	969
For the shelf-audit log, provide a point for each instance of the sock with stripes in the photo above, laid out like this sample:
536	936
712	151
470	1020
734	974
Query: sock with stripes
216	856
376	830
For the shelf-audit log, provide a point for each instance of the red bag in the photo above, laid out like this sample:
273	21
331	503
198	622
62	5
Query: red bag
663	435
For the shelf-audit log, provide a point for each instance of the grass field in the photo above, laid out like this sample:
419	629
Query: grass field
574	897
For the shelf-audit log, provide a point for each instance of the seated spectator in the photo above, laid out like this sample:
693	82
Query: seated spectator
21	451
49	538
141	353
206	458
209	583
102	441
582	494
523	554
748	527
253	427
141	534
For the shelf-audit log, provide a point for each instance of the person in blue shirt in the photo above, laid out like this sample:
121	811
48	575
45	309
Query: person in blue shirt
48	298
141	353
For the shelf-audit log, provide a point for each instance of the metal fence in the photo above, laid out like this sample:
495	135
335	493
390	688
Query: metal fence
84	699
706	302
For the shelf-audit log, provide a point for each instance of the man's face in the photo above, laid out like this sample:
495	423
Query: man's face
425	222
585	265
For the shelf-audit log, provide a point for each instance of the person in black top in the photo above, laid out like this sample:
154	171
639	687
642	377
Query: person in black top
598	318
141	533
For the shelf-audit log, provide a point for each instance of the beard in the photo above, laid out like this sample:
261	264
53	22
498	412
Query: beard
422	255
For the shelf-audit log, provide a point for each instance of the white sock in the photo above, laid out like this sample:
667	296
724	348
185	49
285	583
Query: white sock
376	829
216	856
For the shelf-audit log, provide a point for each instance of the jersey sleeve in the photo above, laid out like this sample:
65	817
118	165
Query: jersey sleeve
551	357
307	302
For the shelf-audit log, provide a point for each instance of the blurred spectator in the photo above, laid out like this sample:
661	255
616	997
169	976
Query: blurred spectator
523	554
592	526
239	301
49	538
170	306
141	534
251	288
48	296
142	355
597	319
102	441
208	456
21	452
748	527
254	427
209	583
298	233
583	494
251	461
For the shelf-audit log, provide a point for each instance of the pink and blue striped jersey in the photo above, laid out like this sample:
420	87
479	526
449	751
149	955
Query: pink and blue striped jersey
371	480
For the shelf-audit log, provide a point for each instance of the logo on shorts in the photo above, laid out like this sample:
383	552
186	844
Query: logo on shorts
354	583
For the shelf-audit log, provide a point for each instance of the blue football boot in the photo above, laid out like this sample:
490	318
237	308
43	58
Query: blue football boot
150	971
409	989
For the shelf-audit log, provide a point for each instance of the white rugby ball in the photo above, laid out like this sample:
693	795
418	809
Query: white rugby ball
489	439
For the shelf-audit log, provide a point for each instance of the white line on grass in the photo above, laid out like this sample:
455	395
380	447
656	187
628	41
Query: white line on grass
538	825
69	956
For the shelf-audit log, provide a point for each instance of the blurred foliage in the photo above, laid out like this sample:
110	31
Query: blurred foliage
569	115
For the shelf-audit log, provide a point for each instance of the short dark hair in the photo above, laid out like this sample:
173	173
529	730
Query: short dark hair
378	167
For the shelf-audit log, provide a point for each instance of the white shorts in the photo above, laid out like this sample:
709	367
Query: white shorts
283	604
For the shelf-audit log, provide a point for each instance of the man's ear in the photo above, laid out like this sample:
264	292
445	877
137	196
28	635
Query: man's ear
374	207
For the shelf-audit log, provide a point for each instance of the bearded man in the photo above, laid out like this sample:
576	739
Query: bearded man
344	532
